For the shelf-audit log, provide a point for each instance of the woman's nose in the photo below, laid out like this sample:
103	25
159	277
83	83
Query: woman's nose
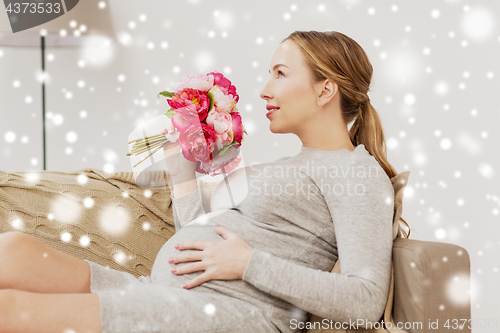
264	94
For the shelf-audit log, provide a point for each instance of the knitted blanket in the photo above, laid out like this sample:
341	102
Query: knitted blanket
91	214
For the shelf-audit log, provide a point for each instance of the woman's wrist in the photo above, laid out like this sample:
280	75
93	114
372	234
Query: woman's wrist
185	187
183	177
245	260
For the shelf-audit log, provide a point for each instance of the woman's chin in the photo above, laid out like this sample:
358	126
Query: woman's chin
276	130
273	129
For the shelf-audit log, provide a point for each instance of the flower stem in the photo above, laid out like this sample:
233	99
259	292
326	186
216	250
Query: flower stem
147	142
152	136
139	151
147	156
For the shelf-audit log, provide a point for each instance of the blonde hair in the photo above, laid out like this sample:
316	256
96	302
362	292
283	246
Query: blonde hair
339	58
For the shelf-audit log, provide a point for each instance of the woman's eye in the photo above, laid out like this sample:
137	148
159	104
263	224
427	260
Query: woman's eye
281	73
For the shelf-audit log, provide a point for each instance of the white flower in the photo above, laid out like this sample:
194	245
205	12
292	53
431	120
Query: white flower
201	82
223	102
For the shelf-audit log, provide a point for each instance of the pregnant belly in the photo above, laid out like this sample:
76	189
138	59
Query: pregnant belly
202	229
199	229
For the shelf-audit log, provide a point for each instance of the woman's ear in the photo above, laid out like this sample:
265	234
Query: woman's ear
327	90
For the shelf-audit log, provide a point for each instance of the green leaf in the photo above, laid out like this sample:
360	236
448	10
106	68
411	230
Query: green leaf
223	150
211	98
166	94
170	113
245	132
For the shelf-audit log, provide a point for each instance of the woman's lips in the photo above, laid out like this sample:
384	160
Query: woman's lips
271	112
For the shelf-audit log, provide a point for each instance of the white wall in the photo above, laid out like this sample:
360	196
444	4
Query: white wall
436	78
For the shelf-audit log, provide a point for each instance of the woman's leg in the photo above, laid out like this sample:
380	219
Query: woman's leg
26	312
28	264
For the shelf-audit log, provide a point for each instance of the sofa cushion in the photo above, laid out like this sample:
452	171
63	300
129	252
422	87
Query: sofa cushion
91	214
431	285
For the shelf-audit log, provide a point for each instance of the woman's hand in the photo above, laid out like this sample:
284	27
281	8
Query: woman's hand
221	260
177	164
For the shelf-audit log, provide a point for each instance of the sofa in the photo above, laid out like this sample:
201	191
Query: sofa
111	220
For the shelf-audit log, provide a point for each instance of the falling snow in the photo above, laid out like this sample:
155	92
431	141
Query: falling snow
434	85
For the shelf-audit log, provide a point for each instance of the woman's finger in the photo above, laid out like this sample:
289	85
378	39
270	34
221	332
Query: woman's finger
170	127
188	268
192	244
172	134
197	280
224	232
186	256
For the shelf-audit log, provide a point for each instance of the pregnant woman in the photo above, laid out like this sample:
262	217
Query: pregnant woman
260	261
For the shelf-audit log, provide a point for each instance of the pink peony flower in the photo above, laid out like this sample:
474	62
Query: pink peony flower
193	104
179	122
197	142
237	128
202	132
201	82
219	120
225	85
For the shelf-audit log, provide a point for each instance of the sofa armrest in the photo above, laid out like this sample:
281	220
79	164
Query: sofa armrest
431	283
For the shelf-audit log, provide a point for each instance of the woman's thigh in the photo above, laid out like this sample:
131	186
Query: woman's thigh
146	307
30	265
27	312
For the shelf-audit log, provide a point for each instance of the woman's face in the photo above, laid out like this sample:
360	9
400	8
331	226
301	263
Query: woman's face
289	89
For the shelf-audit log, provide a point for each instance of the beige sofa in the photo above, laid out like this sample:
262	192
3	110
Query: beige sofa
108	219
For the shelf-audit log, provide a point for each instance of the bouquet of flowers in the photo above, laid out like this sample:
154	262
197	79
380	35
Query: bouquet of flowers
206	121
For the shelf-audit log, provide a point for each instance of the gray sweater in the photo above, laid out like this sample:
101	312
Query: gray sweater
300	214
